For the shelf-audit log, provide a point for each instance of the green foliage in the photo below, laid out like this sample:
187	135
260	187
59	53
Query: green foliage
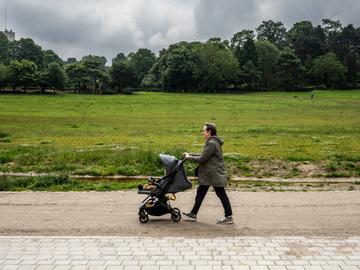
88	75
177	68
96	71
47	181
240	38
271	31
60	183
289	71
141	61
245	62
268	56
123	74
51	57
3	134
307	40
53	77
4	183
191	66
4	73
332	30
250	75
77	75
243	45
26	49
217	64
4	49
346	42
22	73
5	157
328	70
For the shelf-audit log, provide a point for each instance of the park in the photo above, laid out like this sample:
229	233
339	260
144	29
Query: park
97	98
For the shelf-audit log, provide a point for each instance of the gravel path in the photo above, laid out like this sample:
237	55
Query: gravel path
324	214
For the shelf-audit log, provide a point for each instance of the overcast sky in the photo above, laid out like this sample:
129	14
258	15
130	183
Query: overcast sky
74	28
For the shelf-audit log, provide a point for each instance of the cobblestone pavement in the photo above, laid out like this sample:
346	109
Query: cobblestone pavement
248	253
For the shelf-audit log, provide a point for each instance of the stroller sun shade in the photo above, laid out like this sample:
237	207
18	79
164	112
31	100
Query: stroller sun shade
180	182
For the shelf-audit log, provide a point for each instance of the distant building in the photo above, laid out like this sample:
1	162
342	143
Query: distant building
9	34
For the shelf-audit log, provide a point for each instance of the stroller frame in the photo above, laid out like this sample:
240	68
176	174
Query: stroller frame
157	197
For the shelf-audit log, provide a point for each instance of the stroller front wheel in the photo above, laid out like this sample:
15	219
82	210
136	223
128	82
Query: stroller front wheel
143	217
175	214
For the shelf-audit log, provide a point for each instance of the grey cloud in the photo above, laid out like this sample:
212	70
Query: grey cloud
225	18
107	27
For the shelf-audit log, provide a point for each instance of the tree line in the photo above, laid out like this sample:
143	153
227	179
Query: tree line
269	58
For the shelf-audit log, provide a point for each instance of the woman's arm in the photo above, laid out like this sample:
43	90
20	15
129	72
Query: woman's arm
207	152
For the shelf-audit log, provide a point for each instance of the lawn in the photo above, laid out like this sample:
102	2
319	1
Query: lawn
122	134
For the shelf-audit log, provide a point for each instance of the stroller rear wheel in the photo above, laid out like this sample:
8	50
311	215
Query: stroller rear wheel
175	214
143	216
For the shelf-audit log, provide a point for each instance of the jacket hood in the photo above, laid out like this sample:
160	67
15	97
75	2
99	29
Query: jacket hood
216	138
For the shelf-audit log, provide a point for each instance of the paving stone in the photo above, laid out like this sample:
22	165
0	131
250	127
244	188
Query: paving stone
245	253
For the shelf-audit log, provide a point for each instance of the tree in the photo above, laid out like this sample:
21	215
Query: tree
289	71
53	77
177	68
26	49
218	41
250	76
123	75
4	49
332	30
96	71
239	39
243	46
119	56
218	66
94	61
142	61
347	49
51	57
268	55
271	31
307	41
328	70
77	75
3	76
22	73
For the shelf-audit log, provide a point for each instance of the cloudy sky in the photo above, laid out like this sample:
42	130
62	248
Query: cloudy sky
74	28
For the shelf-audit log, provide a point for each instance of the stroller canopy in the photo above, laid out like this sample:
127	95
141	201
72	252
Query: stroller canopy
179	181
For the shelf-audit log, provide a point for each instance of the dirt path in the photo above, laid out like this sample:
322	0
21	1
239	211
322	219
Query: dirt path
334	214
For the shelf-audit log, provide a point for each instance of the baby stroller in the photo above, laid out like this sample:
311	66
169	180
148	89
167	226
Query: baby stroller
163	190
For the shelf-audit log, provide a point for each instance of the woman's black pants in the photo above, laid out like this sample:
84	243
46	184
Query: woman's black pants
220	192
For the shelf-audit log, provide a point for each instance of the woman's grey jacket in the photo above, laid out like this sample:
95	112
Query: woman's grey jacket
212	170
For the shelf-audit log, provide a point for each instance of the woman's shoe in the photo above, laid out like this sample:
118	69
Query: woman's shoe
190	215
225	220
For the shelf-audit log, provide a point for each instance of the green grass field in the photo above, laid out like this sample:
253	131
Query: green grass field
122	134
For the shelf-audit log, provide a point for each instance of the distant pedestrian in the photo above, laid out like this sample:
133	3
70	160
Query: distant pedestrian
211	172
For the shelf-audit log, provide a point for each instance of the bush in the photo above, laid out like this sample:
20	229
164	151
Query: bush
4	135
5	183
332	165
5	158
47	181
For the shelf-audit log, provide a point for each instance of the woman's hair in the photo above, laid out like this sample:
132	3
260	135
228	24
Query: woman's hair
211	127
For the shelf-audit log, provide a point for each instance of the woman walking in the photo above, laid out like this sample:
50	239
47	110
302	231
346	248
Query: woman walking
211	172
